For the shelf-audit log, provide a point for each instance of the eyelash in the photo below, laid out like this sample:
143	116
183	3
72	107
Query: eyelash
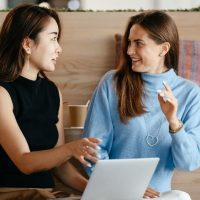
54	39
138	44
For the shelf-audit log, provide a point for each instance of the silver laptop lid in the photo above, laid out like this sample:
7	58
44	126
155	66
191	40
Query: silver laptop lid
120	179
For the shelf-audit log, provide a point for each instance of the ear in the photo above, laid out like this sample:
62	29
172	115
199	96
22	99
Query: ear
164	49
26	44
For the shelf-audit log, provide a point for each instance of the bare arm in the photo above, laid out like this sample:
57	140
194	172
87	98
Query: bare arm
66	172
70	176
16	146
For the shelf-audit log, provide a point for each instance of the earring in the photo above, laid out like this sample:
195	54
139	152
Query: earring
28	61
28	50
161	54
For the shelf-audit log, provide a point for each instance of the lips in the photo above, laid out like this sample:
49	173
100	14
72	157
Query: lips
135	60
54	60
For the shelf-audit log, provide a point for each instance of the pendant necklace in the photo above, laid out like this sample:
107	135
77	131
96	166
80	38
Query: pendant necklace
152	139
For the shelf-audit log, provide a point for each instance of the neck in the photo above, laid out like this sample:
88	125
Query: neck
161	70
164	69
29	73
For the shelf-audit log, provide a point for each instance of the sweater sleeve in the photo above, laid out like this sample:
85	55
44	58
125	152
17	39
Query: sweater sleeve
98	122
186	142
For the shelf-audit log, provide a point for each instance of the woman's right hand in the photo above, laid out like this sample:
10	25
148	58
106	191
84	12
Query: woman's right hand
85	149
151	193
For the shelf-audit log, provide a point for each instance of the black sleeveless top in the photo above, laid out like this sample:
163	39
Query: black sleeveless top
36	105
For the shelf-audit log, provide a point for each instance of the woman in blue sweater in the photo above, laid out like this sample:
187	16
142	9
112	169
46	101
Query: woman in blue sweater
144	109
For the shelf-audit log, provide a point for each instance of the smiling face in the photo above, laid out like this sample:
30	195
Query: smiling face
45	50
146	55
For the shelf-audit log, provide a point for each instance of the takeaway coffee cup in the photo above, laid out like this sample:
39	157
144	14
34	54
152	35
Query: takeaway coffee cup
77	115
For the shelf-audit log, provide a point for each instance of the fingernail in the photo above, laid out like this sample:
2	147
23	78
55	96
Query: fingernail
100	140
89	165
98	147
164	82
99	156
82	157
92	168
165	98
159	91
161	94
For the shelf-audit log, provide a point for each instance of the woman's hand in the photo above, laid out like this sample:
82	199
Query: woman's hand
169	105
85	149
151	193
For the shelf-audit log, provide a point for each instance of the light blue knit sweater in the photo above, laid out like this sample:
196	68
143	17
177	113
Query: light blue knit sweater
180	151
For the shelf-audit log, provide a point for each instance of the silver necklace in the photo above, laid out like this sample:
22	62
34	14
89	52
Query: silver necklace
152	139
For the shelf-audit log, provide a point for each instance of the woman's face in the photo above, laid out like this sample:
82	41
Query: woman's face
146	55
47	49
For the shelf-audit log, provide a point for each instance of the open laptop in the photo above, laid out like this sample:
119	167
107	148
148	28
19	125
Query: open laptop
120	179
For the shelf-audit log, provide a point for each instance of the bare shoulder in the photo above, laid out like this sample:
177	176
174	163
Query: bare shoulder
5	99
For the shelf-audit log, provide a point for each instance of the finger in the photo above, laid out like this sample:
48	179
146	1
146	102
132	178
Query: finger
162	94
167	87
151	193
92	141
91	158
171	101
92	145
88	150
168	99
95	140
166	96
83	161
162	97
92	152
85	142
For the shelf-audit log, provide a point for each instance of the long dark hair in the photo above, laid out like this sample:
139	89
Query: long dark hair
160	28
23	21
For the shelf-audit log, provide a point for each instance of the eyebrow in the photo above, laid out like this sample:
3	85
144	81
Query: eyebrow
53	33
136	40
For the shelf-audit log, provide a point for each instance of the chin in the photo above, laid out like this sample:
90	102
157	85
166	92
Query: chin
50	69
139	69
135	69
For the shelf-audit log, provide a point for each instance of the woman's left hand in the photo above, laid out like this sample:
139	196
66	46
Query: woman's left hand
168	103
151	193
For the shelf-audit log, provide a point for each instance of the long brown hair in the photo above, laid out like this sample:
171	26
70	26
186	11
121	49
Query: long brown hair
160	28
23	21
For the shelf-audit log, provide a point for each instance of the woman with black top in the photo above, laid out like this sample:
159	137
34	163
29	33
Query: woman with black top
31	125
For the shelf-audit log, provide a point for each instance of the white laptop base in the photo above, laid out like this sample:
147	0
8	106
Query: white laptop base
120	179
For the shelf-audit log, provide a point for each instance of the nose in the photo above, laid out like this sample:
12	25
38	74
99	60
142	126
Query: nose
59	49
131	50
